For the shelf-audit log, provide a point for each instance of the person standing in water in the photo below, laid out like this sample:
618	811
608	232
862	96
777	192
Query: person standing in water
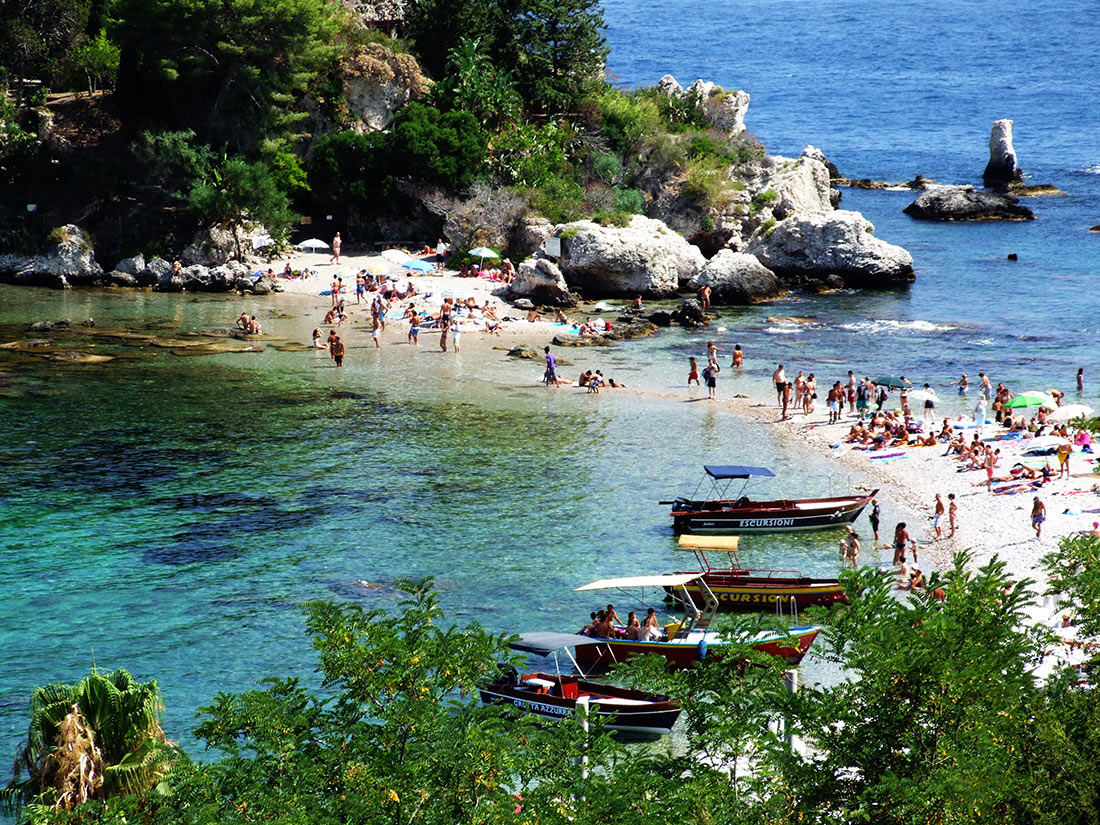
693	371
1080	379
711	376
876	513
738	357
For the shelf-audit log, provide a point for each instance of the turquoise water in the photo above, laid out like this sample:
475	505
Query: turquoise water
170	514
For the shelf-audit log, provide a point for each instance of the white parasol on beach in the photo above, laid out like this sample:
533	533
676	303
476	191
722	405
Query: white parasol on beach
922	395
1045	442
1070	412
313	243
396	256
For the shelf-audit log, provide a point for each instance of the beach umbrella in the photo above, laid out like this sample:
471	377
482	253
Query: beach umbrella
922	395
893	381
313	243
483	252
1070	411
1045	442
396	256
417	265
1030	399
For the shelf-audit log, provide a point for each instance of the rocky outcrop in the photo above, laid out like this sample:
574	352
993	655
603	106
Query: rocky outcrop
211	246
965	203
1002	168
540	280
131	266
721	109
736	278
156	270
68	261
816	154
812	247
643	258
802	186
377	82
690	313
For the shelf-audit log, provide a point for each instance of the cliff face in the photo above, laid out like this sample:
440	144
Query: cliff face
377	82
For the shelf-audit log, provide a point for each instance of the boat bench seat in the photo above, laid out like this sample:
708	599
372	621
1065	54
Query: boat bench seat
542	684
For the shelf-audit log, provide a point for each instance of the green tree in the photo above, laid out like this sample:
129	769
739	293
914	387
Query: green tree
437	27
560	52
346	167
473	84
37	36
233	70
93	740
239	192
447	148
98	60
933	721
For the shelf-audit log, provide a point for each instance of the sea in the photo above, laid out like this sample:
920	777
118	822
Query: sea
170	515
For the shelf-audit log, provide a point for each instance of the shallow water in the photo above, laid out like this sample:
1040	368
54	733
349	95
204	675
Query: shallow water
171	514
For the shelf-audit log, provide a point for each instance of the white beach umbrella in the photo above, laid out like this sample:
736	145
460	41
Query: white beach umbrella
396	256
1045	442
313	243
1069	412
922	395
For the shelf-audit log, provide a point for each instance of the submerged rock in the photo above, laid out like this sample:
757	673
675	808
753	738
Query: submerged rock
965	203
1002	168
838	243
690	313
644	258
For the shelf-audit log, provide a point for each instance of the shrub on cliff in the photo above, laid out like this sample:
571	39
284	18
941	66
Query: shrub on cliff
447	148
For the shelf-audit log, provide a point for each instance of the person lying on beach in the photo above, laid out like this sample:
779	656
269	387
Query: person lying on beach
493	327
533	315
927	441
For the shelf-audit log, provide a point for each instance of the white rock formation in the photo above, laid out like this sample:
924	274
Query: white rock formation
736	278
837	243
644	258
1002	167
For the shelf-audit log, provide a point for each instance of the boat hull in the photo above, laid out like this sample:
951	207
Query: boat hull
684	653
748	517
743	593
620	709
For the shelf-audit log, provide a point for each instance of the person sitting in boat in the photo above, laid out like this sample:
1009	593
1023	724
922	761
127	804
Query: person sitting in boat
651	627
612	616
633	627
602	628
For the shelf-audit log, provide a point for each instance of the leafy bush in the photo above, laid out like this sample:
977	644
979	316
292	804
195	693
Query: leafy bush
627	119
175	160
707	224
347	167
629	201
447	148
527	155
239	191
473	84
98	59
559	199
664	154
707	182
619	219
608	168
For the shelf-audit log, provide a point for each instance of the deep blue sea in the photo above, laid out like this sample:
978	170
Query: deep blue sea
170	514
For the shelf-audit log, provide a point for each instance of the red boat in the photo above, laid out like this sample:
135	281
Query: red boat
740	589
687	641
554	695
735	516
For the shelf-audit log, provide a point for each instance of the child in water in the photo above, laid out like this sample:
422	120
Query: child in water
693	371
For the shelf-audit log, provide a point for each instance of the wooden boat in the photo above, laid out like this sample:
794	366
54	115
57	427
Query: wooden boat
554	695
685	642
744	590
741	515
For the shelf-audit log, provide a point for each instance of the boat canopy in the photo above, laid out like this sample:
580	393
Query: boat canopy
543	643
721	472
726	544
670	580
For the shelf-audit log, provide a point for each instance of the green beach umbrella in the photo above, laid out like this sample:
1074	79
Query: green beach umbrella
893	381
1029	399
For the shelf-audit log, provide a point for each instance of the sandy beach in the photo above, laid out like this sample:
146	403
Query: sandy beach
988	525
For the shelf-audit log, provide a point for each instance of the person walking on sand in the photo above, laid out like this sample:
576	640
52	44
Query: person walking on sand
336	349
937	517
1063	459
952	514
876	514
738	357
851	392
440	253
337	244
930	404
693	371
980	410
710	373
1038	516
